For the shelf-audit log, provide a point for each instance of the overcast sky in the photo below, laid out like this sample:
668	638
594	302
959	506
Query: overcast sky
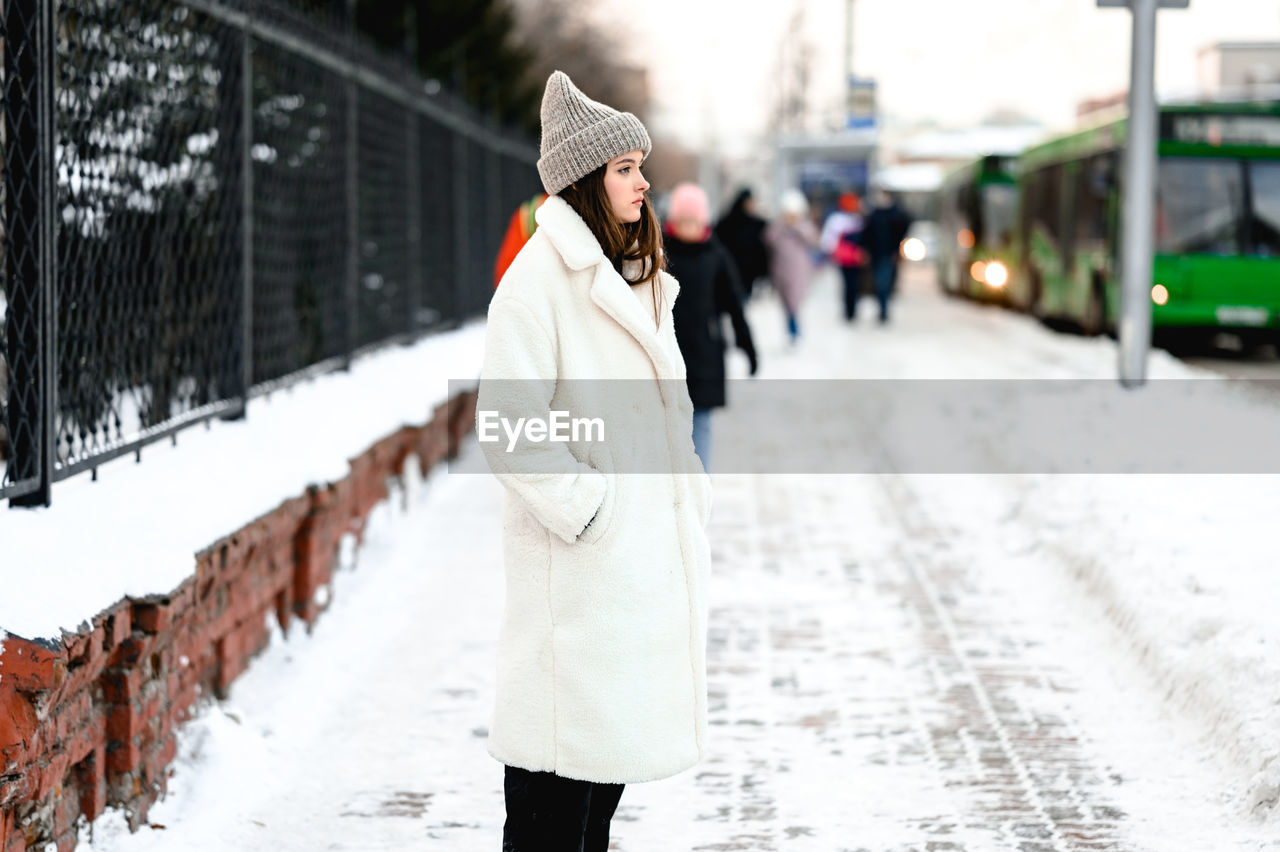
953	61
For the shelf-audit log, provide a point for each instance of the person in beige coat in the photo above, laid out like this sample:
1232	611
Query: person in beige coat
601	670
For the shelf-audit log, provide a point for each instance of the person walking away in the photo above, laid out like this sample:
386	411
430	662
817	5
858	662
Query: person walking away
741	231
791	239
839	241
520	228
601	659
708	289
883	234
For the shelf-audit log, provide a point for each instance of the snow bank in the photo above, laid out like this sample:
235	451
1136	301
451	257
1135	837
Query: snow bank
135	530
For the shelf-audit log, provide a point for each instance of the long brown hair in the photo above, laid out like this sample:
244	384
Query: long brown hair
640	240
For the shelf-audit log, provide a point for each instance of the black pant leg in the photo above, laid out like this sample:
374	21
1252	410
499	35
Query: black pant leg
545	813
604	801
852	276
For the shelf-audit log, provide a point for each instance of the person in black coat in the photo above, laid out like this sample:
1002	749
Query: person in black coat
709	287
741	231
885	229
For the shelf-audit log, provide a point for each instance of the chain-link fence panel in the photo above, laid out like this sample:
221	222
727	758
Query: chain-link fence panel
149	194
300	233
440	225
384	302
236	194
476	284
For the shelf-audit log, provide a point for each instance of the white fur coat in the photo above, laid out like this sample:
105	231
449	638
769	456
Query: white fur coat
602	652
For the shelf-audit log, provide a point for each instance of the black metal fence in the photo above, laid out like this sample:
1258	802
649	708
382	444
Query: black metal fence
204	199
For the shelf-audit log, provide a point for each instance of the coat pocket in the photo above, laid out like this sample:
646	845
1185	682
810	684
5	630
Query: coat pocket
601	460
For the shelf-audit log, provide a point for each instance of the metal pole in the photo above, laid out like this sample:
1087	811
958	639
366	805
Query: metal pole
413	181
1139	199
848	46
353	191
246	257
461	229
353	222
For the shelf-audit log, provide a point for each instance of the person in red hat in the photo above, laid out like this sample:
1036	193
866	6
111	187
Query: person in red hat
839	241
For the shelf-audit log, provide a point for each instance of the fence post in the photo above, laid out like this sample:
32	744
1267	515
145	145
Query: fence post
246	131
353	203
494	202
462	228
29	72
413	179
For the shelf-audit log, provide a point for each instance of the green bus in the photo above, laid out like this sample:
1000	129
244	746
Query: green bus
1217	221
977	206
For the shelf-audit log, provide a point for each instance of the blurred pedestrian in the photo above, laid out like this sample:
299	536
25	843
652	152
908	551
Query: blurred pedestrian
839	241
519	229
708	289
601	662
741	231
882	237
792	239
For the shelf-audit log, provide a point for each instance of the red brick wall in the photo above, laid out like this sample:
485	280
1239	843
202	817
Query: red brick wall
88	721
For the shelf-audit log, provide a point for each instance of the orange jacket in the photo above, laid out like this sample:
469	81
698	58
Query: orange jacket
519	230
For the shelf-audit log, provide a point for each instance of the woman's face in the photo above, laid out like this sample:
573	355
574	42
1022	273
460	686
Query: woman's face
625	186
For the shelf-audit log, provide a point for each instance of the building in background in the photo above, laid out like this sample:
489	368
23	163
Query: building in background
1238	70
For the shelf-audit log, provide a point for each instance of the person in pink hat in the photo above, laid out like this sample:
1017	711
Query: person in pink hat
709	288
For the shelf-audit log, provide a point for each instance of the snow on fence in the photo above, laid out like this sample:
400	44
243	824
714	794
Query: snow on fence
204	199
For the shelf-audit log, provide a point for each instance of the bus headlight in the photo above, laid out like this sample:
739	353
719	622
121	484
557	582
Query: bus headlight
913	248
1160	294
997	274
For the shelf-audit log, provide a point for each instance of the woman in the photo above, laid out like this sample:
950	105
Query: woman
601	675
841	233
709	288
791	240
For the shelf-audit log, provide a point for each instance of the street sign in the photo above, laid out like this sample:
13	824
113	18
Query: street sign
860	103
1161	4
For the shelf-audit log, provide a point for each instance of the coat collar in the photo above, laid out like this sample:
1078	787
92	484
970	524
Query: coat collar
569	234
581	251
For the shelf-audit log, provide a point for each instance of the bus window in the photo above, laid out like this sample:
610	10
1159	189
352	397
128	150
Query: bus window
1199	206
1045	208
999	209
1264	179
1094	185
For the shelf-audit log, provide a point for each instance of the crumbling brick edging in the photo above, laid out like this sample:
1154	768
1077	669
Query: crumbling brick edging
87	722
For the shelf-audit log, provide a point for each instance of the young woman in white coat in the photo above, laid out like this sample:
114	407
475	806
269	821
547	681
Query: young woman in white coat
601	676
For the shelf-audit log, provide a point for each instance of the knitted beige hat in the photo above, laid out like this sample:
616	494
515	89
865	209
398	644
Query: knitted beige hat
580	135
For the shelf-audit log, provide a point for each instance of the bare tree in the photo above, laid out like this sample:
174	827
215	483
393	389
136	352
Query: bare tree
561	35
794	73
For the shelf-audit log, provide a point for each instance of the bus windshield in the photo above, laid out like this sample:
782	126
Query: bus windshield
1199	206
1264	182
999	211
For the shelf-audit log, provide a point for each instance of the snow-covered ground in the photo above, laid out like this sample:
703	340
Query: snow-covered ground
1115	635
1183	565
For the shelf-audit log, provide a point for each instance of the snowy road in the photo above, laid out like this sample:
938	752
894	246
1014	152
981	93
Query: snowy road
896	663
